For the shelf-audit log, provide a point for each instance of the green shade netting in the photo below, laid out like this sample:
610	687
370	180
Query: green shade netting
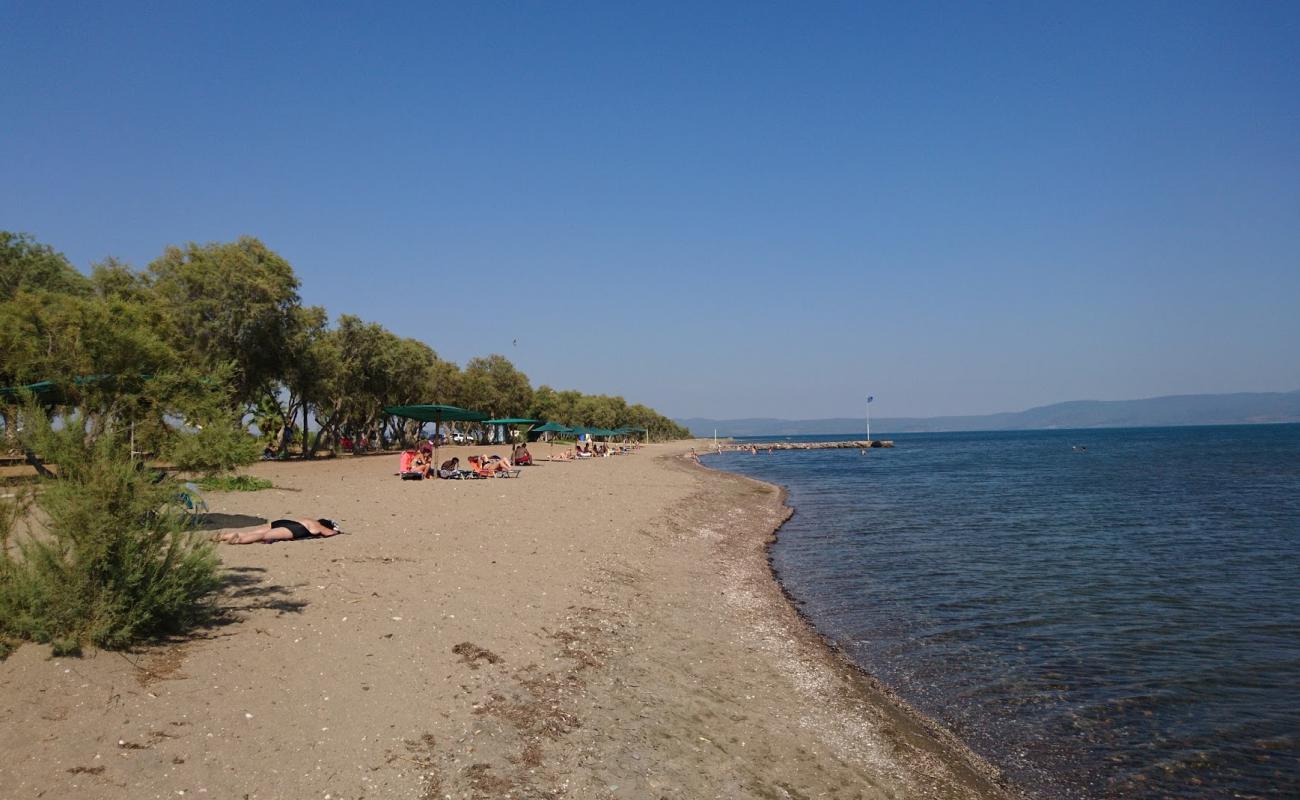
553	427
430	412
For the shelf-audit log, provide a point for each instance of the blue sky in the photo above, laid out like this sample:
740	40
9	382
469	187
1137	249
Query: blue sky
735	210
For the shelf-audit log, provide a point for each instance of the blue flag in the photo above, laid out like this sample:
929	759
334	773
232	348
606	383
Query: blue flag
869	399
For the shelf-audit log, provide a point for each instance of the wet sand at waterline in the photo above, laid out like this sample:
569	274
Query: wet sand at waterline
599	629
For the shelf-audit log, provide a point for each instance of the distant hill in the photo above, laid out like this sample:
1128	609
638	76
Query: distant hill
1245	408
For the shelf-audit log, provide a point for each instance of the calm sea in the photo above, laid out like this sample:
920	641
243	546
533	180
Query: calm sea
1117	622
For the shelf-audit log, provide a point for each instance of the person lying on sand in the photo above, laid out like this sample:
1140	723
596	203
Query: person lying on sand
563	455
280	530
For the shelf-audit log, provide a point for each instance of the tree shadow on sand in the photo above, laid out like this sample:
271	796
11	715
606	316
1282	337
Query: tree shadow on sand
242	590
246	589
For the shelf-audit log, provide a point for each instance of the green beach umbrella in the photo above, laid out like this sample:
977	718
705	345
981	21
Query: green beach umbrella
52	392
552	427
627	430
40	390
437	414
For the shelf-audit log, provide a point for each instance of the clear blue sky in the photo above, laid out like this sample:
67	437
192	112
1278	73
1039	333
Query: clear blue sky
740	210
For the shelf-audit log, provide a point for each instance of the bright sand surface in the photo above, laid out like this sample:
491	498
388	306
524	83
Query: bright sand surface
599	629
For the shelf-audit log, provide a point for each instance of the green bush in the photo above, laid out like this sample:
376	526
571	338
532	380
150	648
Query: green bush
234	483
108	564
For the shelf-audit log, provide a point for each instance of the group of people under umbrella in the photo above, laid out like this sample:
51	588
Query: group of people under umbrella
430	466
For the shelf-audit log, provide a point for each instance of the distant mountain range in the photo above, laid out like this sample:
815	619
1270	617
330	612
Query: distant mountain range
1246	408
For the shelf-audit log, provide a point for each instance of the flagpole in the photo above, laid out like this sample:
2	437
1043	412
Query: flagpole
869	399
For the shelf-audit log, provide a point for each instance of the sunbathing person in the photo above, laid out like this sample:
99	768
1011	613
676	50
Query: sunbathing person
280	530
495	463
449	468
521	455
420	465
564	455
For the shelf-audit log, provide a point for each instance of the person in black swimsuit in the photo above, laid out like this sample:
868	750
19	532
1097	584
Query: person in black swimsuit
280	530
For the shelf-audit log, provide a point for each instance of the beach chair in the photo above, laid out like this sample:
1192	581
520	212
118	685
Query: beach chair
405	472
191	503
484	470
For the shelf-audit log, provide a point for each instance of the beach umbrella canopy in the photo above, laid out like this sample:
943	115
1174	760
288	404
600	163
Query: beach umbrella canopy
51	392
627	430
437	414
41	390
552	427
431	412
579	429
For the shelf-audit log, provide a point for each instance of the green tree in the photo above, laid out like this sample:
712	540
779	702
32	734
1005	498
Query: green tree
303	373
112	279
356	358
212	438
230	303
546	405
596	411
97	351
494	386
27	265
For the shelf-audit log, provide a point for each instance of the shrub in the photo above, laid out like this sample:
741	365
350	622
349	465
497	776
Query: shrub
107	565
234	483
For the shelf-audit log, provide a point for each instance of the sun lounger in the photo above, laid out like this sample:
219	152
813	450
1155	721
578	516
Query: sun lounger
486	470
405	472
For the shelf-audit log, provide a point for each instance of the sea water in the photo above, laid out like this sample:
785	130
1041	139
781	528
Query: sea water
1116	621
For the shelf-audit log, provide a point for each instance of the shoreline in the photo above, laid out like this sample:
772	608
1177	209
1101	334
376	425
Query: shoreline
608	629
915	727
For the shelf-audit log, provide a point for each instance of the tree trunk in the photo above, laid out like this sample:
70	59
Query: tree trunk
41	469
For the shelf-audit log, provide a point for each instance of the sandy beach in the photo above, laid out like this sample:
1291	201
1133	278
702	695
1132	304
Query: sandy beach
599	629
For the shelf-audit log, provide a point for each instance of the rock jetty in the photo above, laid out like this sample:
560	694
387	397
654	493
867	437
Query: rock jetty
862	444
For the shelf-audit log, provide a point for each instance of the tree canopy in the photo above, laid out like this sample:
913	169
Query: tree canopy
226	321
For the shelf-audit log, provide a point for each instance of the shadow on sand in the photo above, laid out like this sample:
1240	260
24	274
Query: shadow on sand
213	522
245	589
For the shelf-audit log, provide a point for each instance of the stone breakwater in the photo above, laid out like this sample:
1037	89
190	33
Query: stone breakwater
764	446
